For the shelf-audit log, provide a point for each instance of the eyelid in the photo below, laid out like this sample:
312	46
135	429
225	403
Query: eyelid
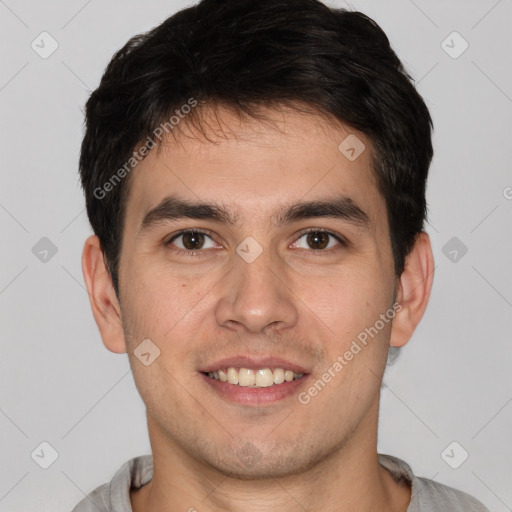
188	230
340	238
185	231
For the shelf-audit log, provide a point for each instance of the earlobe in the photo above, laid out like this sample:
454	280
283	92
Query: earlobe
104	304
414	286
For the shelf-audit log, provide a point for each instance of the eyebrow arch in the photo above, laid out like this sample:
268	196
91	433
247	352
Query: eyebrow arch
341	207
174	208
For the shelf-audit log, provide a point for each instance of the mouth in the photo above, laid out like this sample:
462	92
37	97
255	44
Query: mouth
254	381
260	378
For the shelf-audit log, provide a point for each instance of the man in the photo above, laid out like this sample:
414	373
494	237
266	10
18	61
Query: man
255	176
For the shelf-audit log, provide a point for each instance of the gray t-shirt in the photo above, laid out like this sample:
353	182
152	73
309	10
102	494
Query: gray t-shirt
426	495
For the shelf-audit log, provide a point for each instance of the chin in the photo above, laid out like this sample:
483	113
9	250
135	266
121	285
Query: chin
248	462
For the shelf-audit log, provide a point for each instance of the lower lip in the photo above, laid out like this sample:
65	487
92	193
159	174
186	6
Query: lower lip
254	396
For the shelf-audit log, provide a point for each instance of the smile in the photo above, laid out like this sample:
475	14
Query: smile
261	378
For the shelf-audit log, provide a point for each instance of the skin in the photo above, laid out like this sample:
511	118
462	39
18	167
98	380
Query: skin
293	301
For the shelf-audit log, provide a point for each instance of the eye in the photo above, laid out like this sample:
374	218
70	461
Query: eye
318	240
191	240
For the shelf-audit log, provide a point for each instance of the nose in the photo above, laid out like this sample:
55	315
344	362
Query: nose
257	295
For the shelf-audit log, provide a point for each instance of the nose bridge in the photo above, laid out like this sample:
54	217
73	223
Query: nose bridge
254	295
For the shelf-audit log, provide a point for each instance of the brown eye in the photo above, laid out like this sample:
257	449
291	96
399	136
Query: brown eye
318	240
191	241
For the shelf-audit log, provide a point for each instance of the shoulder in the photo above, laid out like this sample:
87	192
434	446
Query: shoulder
97	500
115	495
433	497
427	495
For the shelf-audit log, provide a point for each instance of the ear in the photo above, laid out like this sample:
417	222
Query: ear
104	304
414	286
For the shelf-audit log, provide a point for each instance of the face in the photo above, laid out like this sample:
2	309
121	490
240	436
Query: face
258	282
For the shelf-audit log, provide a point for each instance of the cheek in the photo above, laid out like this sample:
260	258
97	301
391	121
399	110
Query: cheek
171	310
349	299
350	305
161	310
155	299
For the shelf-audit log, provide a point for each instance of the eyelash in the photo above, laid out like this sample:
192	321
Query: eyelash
341	240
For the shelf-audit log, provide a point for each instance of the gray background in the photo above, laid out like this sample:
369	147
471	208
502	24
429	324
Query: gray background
60	385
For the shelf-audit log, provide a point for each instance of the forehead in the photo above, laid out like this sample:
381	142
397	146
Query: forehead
250	164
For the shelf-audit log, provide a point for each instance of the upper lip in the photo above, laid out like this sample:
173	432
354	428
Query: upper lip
253	363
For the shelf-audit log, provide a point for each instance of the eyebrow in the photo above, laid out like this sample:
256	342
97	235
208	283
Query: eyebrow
174	208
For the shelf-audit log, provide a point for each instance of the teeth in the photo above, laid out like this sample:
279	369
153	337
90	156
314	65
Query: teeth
232	376
261	378
278	376
264	378
245	377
